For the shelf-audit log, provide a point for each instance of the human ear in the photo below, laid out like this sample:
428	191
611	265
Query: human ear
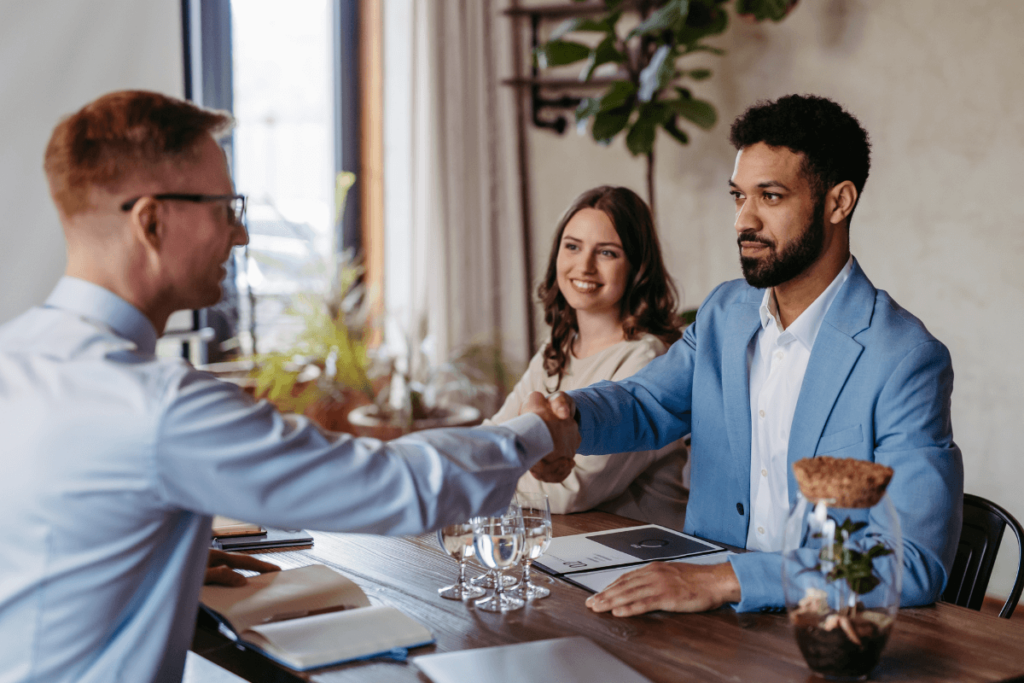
842	199
146	223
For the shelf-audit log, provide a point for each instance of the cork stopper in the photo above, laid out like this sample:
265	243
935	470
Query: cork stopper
850	483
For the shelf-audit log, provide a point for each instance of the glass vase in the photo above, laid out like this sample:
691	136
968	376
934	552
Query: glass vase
842	581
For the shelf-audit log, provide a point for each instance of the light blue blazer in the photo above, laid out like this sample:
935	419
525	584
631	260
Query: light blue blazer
877	388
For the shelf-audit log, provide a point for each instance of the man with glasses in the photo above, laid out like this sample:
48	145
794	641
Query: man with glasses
115	460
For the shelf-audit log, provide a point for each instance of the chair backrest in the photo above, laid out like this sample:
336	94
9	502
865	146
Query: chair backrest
982	531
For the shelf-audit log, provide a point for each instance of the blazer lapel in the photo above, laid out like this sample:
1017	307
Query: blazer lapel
833	357
741	326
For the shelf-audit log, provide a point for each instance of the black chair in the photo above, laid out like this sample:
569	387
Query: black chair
982	531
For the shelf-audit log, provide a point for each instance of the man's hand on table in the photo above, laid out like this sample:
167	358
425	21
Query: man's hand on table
565	434
669	586
220	568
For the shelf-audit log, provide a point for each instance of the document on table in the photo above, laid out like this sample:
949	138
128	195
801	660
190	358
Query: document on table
560	660
599	579
618	548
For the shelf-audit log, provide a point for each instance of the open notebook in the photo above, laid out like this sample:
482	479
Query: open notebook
310	617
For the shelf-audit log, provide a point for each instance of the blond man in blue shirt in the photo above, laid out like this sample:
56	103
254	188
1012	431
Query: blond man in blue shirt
115	460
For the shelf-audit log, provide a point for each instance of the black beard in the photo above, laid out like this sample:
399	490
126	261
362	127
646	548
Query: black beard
776	268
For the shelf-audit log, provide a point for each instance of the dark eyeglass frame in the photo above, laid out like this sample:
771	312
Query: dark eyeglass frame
236	202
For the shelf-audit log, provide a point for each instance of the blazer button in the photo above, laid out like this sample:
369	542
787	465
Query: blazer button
739	508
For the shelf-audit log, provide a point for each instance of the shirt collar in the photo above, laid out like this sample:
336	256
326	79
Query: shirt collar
97	303
805	327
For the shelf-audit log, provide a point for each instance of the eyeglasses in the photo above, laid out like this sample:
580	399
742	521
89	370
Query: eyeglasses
235	202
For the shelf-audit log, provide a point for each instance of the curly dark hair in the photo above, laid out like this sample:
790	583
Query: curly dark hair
834	144
648	304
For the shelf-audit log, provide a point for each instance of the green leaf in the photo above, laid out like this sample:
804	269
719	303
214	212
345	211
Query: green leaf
640	139
698	111
673	129
776	10
608	124
619	94
699	74
656	112
604	53
587	107
657	74
689	316
670	16
579	24
560	52
704	19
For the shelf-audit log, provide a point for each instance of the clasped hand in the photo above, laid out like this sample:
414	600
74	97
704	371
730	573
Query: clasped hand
557	413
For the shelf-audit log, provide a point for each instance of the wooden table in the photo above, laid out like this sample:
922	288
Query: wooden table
937	643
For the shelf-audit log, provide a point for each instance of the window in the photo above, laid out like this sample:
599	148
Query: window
288	73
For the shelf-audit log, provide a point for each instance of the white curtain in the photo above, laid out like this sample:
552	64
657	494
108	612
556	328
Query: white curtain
56	56
453	246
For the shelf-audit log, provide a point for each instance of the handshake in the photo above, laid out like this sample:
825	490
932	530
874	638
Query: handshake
558	413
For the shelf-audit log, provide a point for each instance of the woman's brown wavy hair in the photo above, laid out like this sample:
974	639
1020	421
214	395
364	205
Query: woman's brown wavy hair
648	305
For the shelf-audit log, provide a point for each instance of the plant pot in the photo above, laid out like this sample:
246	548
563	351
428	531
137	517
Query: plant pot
369	421
332	414
842	584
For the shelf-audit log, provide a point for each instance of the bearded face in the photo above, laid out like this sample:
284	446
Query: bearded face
782	263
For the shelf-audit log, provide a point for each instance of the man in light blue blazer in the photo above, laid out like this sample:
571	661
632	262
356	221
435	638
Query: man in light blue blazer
804	358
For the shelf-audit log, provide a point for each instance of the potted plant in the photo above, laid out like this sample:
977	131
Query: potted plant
648	91
842	580
330	369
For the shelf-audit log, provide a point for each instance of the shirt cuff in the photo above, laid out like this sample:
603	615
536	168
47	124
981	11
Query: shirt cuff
533	437
760	577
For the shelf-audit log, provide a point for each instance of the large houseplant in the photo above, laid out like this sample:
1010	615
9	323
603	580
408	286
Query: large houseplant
649	90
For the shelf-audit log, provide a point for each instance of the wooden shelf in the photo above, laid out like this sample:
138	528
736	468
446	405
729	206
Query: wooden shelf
564	9
562	83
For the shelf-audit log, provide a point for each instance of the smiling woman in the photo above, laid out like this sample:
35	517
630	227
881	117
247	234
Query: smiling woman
611	307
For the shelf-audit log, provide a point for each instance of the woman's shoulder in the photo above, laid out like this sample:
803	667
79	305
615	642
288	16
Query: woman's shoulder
646	345
620	360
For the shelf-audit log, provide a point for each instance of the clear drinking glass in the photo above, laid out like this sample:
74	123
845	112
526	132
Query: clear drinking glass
537	535
498	543
457	541
486	580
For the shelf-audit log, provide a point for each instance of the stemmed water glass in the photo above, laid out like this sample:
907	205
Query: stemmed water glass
537	535
486	580
457	541
498	543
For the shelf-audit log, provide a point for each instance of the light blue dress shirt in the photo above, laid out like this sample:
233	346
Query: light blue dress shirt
115	461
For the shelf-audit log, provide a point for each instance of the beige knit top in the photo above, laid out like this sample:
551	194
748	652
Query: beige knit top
649	486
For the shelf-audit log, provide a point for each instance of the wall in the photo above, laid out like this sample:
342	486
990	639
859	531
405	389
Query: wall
56	56
937	85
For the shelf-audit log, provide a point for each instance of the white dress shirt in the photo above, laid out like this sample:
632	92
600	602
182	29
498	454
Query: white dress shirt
114	461
776	362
